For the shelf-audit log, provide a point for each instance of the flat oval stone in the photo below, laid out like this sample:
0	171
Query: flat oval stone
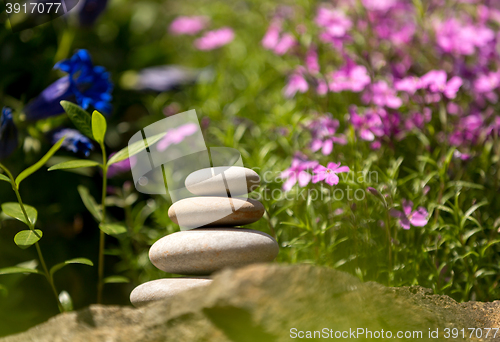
206	250
164	288
222	180
212	211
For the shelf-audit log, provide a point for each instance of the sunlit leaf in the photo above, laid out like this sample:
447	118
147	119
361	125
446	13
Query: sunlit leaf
80	118
90	202
14	210
4	178
81	261
116	279
99	126
27	238
32	169
74	164
15	269
112	228
135	148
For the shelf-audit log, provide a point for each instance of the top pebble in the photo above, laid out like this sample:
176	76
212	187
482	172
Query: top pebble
212	181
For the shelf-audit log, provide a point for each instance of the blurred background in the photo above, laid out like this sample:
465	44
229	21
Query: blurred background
285	82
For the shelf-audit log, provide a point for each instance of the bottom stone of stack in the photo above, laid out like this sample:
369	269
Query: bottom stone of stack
203	251
164	288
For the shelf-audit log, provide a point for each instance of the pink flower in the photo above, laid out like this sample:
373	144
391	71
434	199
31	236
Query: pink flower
296	83
436	81
368	126
383	95
176	136
350	77
312	61
323	135
486	83
297	172
455	37
272	36
188	25
329	173
417	218
379	5
408	84
215	39
122	166
286	42
335	22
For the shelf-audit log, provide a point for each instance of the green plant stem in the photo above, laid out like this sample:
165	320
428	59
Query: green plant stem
389	244
102	236
48	276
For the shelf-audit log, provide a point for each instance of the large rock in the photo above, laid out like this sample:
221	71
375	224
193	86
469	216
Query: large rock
262	303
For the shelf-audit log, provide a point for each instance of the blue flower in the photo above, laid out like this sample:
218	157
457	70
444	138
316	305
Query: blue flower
90	11
8	133
86	84
75	141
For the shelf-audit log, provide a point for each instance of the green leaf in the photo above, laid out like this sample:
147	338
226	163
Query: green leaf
81	261
98	126
3	291
74	164
4	178
90	202
32	169
14	210
15	269
66	301
135	148
112	228
27	238
80	118
116	279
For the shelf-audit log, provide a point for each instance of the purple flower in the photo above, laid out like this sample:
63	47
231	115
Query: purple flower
368	126
329	173
323	135
296	83
435	80
215	39
188	25
176	136
417	218
163	78
297	172
350	77
335	22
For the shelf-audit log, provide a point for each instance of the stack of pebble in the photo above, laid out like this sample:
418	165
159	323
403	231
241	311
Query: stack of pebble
219	243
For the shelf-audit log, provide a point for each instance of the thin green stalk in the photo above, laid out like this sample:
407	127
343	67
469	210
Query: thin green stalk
48	276
389	244
102	236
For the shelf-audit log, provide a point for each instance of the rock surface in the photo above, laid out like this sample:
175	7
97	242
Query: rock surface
221	180
261	303
206	250
163	289
215	211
